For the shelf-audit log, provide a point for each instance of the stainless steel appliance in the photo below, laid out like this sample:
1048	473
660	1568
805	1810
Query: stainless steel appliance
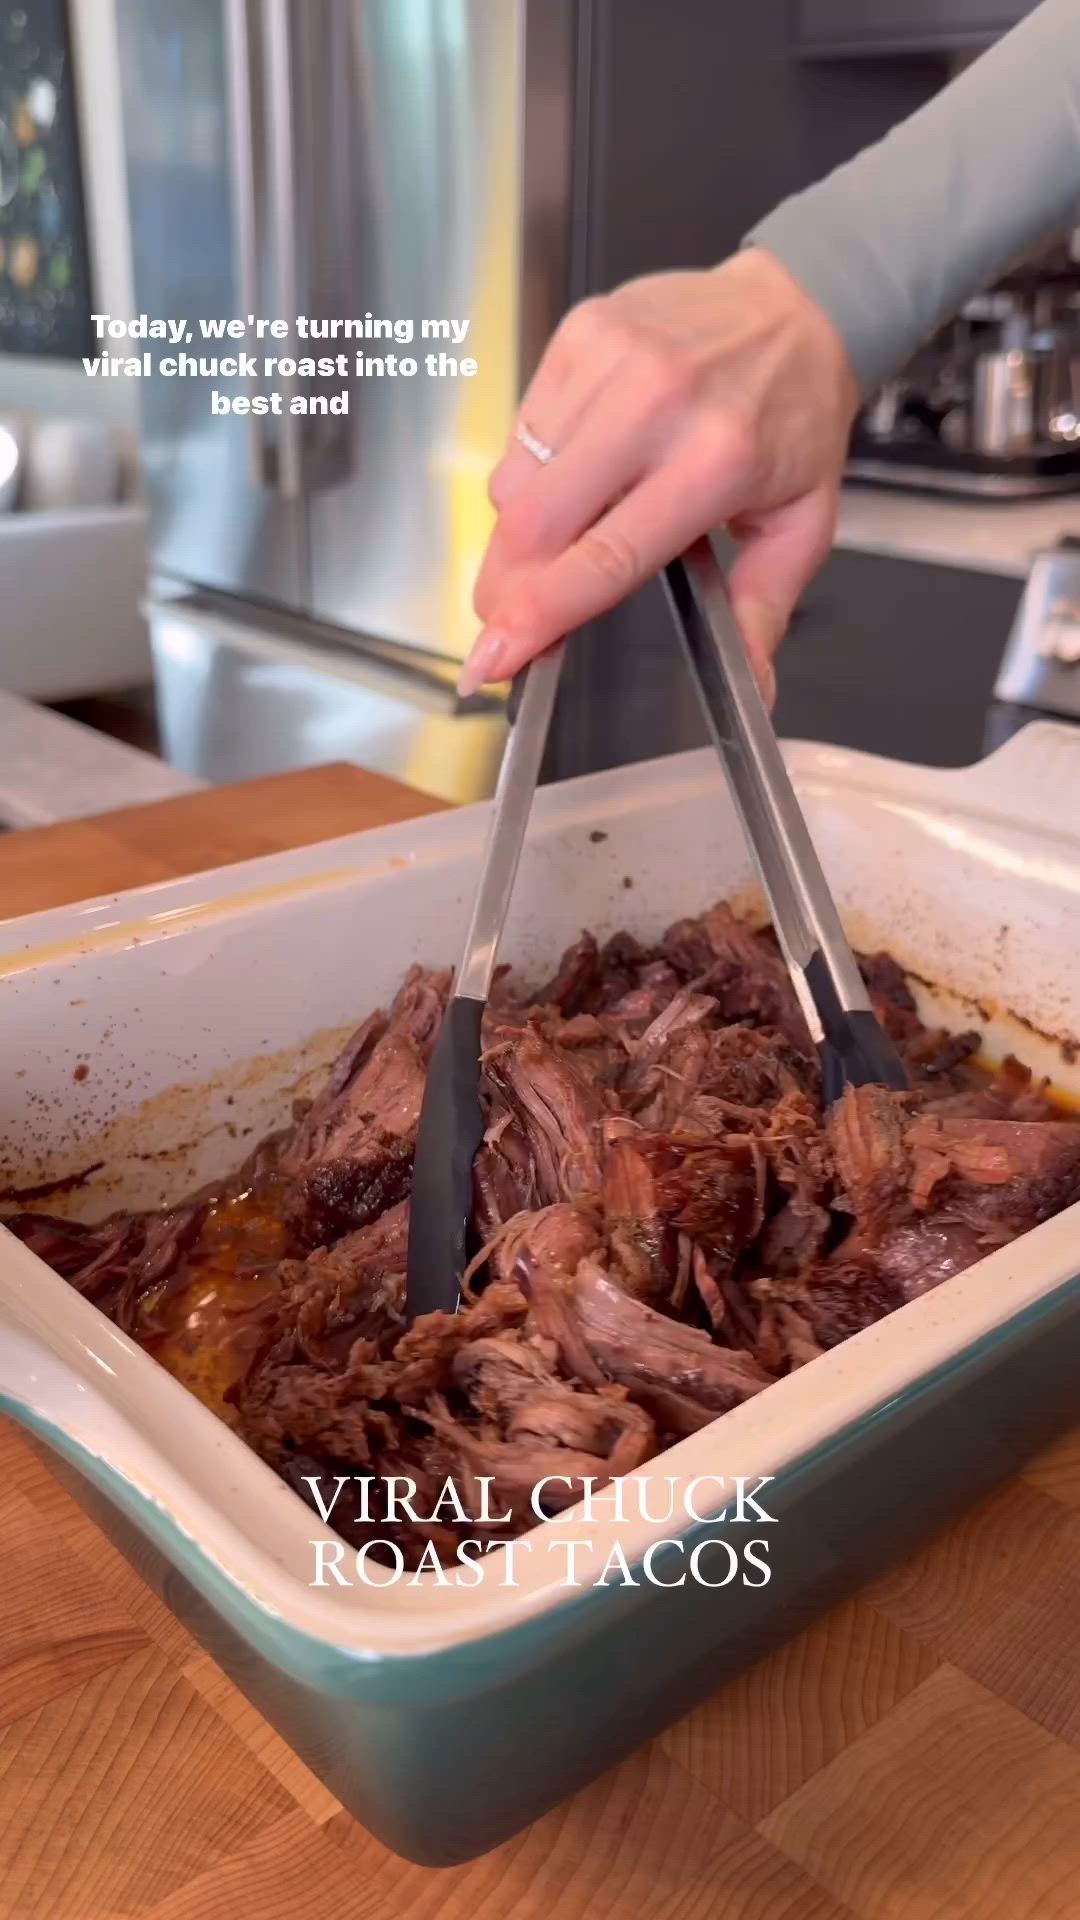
386	162
991	406
488	159
1040	668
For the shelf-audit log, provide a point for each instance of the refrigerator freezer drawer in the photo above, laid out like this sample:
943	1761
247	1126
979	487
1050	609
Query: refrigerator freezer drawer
235	702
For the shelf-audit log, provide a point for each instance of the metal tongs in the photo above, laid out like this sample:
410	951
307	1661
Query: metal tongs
852	1046
451	1119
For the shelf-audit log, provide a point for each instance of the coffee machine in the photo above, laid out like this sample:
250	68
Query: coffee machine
990	407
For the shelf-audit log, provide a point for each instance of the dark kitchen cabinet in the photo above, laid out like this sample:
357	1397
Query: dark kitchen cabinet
830	27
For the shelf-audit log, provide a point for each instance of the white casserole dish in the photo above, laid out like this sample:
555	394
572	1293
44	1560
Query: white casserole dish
200	1008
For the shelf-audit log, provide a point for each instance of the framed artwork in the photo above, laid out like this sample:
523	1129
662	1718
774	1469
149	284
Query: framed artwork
44	268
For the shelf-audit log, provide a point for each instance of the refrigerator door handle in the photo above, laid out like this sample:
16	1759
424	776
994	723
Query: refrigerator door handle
266	86
246	139
287	226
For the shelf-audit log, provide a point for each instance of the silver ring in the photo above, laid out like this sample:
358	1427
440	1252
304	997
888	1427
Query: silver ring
539	450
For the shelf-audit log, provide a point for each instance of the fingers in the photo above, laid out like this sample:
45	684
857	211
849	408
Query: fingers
672	406
660	516
581	354
603	457
780	553
552	420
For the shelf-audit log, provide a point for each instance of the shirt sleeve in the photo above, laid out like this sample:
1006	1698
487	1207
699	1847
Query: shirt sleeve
893	243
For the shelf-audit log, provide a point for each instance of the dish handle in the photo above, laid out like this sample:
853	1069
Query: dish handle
1032	778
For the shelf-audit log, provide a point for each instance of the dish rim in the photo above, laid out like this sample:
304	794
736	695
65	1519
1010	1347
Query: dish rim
67	1346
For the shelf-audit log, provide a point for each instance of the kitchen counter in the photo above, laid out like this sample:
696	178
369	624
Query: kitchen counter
915	1754
53	768
986	536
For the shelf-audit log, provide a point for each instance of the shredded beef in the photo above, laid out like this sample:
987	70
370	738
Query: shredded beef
664	1222
577	978
555	1106
866	1133
749	978
351	1154
128	1261
635	1345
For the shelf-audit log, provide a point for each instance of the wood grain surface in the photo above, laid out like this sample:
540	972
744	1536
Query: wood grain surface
913	1756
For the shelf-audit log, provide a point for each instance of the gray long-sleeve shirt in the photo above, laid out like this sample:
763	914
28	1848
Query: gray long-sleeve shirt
894	242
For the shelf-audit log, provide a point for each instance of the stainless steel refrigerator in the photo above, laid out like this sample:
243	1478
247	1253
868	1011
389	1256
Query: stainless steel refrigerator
488	160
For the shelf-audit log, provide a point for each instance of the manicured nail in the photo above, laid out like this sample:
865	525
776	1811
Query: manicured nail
483	663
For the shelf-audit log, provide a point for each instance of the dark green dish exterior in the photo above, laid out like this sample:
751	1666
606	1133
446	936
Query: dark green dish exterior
443	1756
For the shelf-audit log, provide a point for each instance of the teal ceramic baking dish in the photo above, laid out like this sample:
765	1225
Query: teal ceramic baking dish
446	1717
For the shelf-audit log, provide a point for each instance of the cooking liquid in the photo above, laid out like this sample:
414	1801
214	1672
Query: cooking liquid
206	1332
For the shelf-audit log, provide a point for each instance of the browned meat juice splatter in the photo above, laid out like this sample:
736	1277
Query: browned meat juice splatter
208	1331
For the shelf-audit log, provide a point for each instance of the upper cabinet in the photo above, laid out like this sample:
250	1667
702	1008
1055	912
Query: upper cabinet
902	26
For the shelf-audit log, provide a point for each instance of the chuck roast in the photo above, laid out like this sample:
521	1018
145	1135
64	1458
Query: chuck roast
930	1194
664	1223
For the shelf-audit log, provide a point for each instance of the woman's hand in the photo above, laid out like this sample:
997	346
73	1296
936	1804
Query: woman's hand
675	405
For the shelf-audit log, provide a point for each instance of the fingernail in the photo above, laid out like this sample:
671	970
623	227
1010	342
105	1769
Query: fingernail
483	663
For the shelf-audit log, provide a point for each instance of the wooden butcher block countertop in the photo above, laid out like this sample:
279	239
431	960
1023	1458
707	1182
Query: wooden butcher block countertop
915	1756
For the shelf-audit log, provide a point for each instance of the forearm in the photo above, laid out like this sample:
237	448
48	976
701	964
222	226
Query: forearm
893	243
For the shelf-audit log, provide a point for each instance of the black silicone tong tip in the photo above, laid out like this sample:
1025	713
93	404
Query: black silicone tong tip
449	1137
855	1050
451	1127
857	1058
